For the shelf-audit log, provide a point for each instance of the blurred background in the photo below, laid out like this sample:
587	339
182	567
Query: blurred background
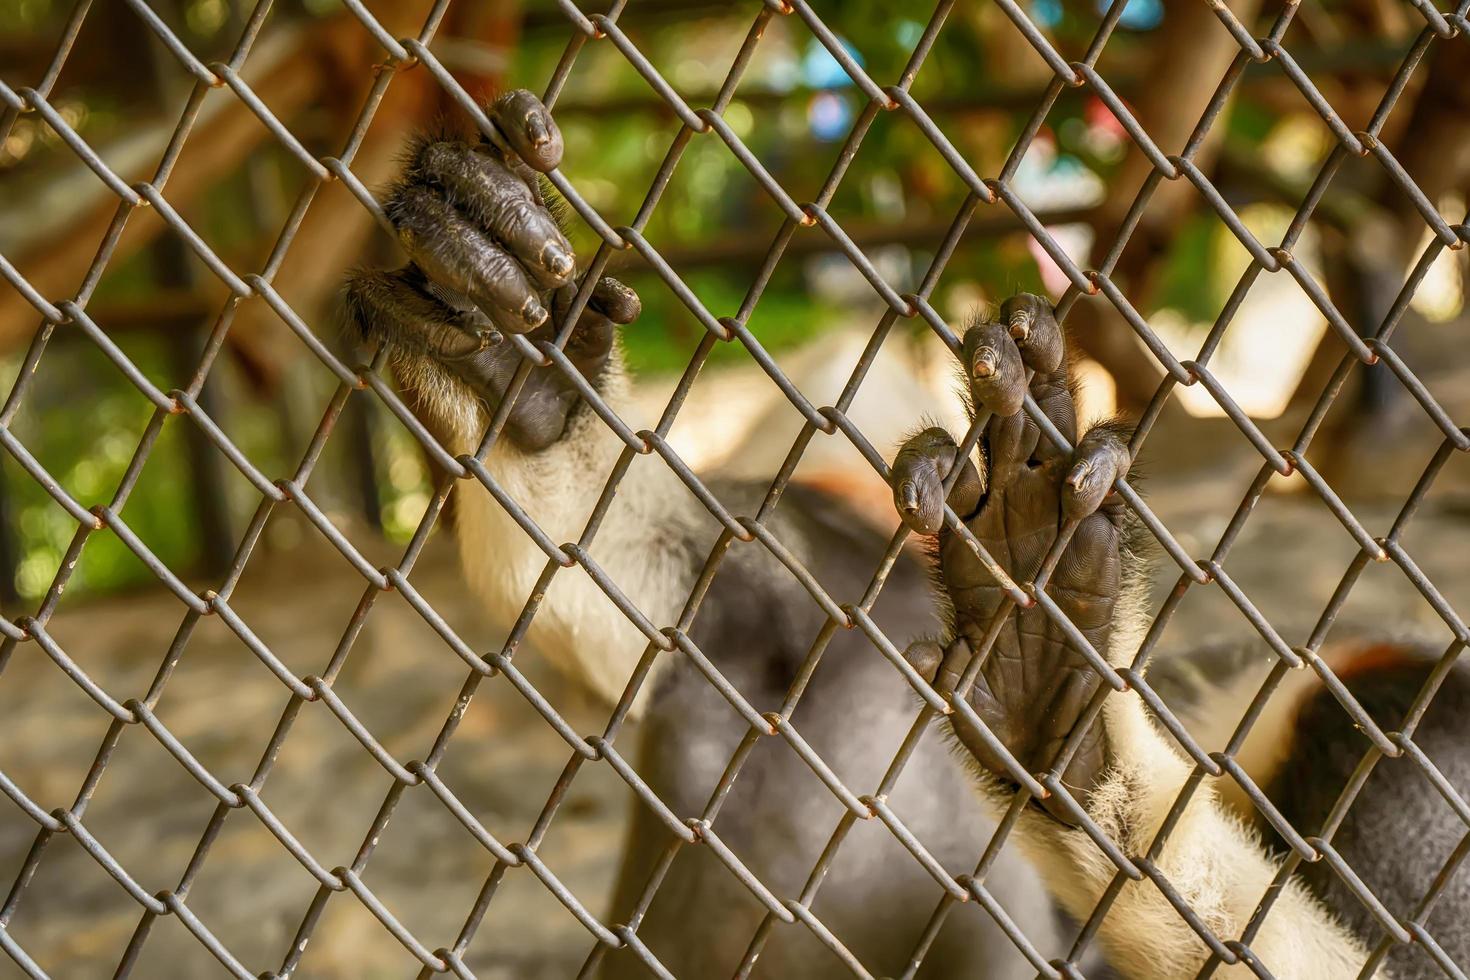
313	65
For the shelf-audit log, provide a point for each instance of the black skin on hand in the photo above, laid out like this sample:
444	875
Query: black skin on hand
1033	687
488	259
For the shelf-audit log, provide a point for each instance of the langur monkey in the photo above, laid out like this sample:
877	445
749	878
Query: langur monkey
487	259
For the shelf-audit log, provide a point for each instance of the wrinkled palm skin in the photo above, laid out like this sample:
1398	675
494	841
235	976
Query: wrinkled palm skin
1033	687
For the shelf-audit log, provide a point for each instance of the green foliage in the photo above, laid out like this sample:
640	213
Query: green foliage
23	15
664	338
85	435
84	420
1185	284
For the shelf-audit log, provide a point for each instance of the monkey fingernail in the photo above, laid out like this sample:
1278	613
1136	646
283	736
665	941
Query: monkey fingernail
533	313
1082	486
986	360
1021	326
908	496
1085	486
1032	324
537	129
997	377
556	260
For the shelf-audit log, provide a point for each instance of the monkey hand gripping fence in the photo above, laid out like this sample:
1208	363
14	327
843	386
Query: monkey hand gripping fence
314	693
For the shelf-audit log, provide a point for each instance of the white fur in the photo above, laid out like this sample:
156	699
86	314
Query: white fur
1215	863
1213	860
642	544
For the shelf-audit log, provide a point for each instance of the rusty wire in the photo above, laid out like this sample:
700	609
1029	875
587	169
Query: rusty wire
672	639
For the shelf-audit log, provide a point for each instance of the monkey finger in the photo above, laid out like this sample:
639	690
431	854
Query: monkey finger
618	302
1081	774
397	308
1033	323
1100	459
925	656
592	341
998	715
611	304
993	369
528	127
939	665
453	252
501	203
918	488
1079	683
1053	394
918	475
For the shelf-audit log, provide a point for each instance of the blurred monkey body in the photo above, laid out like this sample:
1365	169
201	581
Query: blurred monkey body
487	261
755	625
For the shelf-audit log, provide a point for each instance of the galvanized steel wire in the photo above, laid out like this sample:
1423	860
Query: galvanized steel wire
441	954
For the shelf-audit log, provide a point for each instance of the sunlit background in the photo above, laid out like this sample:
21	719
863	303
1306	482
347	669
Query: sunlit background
794	107
313	65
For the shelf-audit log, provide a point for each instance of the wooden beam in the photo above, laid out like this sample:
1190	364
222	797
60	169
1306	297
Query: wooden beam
56	245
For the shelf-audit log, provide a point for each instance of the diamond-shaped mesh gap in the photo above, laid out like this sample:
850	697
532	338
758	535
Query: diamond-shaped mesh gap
509	861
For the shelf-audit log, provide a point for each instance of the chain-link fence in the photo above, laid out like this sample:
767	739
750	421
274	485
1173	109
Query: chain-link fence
1360	344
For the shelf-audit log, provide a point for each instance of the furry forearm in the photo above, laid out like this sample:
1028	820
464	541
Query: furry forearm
1215	863
644	542
487	260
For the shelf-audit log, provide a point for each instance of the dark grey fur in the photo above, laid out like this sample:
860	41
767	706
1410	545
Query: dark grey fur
757	626
1400	831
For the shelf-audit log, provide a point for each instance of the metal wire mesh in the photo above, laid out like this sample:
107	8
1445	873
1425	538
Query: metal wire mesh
181	407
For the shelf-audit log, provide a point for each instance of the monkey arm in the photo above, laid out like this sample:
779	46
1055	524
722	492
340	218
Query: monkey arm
1216	864
487	259
1049	517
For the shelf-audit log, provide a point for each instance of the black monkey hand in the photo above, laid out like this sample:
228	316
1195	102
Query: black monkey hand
1033	686
488	259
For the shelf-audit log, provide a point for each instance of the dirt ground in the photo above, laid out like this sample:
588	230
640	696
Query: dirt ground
402	682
